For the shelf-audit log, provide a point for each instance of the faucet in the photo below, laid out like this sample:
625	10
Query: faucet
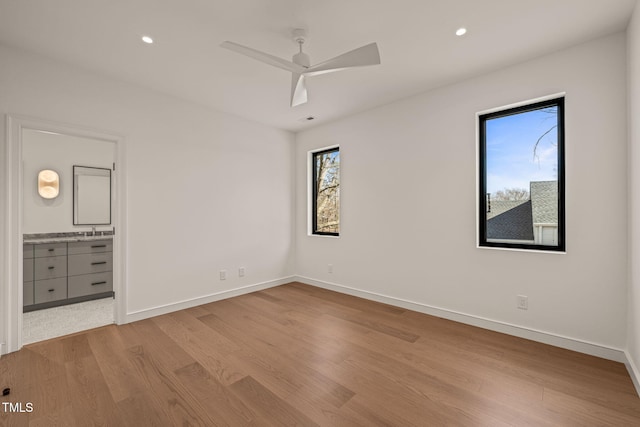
93	231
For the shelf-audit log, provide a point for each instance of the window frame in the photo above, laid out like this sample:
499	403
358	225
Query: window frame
313	192
558	101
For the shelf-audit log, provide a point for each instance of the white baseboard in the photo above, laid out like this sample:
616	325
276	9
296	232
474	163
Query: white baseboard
568	343
633	371
181	305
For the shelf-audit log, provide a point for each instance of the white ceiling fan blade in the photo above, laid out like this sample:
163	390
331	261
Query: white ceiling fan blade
298	89
360	57
263	57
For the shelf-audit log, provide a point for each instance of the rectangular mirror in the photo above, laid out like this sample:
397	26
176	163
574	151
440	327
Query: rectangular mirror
91	196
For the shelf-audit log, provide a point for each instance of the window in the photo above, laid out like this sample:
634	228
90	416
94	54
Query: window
326	192
521	182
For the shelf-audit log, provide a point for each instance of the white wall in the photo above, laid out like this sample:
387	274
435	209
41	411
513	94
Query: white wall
409	192
58	152
633	335
205	190
196	179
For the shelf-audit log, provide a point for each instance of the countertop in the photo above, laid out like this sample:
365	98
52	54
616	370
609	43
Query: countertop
66	237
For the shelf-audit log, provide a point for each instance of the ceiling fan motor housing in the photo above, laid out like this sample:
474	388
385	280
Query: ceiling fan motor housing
302	58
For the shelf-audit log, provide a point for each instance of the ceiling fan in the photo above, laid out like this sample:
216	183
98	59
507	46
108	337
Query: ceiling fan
300	66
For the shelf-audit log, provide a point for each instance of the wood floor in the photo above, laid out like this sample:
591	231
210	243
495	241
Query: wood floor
299	355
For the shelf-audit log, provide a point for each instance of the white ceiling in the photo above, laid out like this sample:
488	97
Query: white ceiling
418	48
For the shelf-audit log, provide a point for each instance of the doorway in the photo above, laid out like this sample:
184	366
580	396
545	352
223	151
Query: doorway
36	145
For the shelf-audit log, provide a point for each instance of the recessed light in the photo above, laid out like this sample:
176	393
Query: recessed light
461	31
147	39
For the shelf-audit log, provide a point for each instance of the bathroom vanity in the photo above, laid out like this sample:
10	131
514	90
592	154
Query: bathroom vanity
65	268
72	266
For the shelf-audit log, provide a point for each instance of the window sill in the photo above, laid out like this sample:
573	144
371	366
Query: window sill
322	235
535	251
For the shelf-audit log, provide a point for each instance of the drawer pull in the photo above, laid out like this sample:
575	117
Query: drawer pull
98	262
51	290
51	267
98	246
99	283
51	249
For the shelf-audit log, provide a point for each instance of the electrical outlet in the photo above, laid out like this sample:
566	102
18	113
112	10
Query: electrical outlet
223	274
241	272
523	302
330	268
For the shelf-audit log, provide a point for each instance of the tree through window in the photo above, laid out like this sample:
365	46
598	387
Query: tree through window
521	183
326	192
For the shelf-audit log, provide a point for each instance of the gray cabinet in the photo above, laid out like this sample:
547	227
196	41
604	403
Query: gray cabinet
27	275
89	284
27	293
90	268
90	263
50	267
49	272
49	249
96	246
50	290
65	273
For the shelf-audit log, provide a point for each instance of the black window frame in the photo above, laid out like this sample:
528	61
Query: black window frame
482	172
314	182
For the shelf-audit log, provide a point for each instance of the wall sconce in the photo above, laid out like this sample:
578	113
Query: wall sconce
48	184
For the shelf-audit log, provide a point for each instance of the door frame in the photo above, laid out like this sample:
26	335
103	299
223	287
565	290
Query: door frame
11	297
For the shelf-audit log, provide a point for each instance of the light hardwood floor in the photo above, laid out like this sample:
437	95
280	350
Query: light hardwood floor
299	355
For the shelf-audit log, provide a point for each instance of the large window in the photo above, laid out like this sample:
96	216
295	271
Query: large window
521	182
326	192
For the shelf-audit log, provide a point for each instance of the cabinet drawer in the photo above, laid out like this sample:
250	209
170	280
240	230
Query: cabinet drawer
49	249
27	270
50	267
50	290
88	284
27	251
27	293
94	246
89	263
